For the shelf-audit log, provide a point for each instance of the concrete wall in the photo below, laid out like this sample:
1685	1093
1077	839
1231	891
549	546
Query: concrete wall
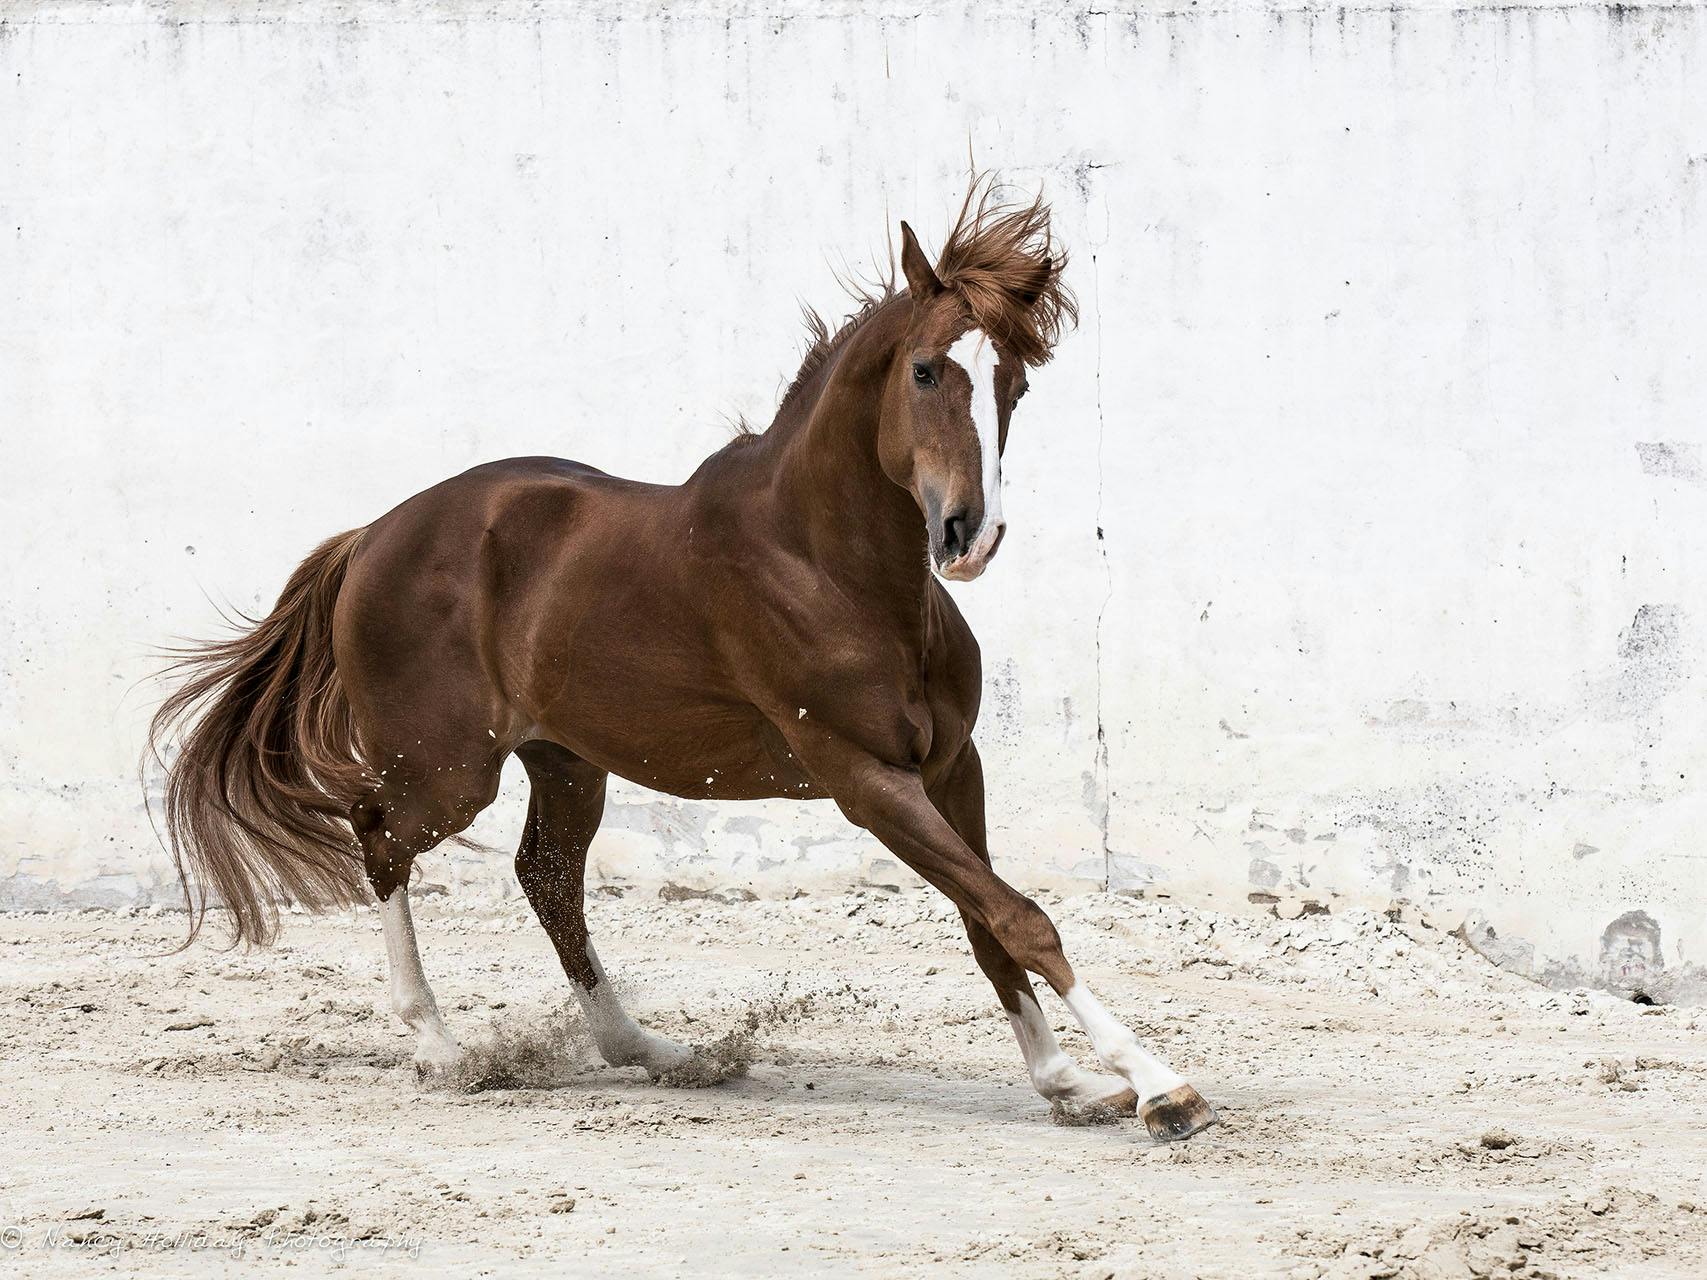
1355	536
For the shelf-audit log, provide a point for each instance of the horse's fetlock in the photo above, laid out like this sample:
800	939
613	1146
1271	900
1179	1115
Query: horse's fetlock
411	1008
1054	1075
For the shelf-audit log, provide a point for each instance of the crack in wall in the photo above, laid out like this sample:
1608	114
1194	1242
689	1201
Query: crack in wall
1104	786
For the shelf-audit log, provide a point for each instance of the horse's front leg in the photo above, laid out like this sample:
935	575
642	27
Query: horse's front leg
892	804
958	795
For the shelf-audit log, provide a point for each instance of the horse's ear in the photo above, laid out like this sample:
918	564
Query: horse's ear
921	280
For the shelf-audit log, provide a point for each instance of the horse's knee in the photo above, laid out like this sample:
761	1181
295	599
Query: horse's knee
1029	936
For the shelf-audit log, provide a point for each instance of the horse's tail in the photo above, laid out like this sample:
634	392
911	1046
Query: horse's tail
258	796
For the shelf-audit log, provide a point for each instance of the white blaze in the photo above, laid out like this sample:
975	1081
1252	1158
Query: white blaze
976	354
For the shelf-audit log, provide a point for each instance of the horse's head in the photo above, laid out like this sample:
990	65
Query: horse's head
992	306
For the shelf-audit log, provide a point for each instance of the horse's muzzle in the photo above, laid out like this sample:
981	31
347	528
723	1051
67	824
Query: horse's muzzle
968	564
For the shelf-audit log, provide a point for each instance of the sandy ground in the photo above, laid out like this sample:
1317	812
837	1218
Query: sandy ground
1392	1105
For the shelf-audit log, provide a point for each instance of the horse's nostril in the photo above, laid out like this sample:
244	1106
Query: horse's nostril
954	536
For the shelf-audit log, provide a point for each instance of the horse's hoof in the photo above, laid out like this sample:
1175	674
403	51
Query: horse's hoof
1124	1103
439	1070
1177	1114
660	1056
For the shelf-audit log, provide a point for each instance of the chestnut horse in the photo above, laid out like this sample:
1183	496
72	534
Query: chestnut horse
771	627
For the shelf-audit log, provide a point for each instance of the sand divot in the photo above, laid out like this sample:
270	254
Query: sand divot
1077	1115
726	1058
539	1051
729	1056
551	1050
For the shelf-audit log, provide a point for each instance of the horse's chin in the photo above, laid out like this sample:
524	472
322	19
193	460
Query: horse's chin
963	568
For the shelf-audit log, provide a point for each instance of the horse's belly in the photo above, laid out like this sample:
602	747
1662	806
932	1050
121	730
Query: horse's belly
705	751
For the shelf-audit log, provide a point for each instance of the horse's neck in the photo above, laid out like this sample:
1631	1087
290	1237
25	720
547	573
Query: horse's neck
831	481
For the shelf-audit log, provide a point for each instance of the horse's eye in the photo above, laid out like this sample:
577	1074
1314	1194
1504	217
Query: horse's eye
922	374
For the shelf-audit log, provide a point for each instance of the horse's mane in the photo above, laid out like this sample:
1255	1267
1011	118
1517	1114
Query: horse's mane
999	257
821	343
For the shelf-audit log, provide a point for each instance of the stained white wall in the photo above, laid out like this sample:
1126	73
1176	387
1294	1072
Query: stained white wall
1355	536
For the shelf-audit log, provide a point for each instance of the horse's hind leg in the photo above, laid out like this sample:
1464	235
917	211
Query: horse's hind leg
563	814
959	797
436	1052
412	810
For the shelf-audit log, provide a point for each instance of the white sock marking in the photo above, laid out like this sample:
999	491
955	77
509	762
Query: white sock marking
1053	1074
1119	1049
976	354
411	998
621	1040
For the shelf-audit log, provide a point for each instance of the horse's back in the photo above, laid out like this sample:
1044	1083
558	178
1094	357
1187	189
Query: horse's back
525	499
493	487
430	575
